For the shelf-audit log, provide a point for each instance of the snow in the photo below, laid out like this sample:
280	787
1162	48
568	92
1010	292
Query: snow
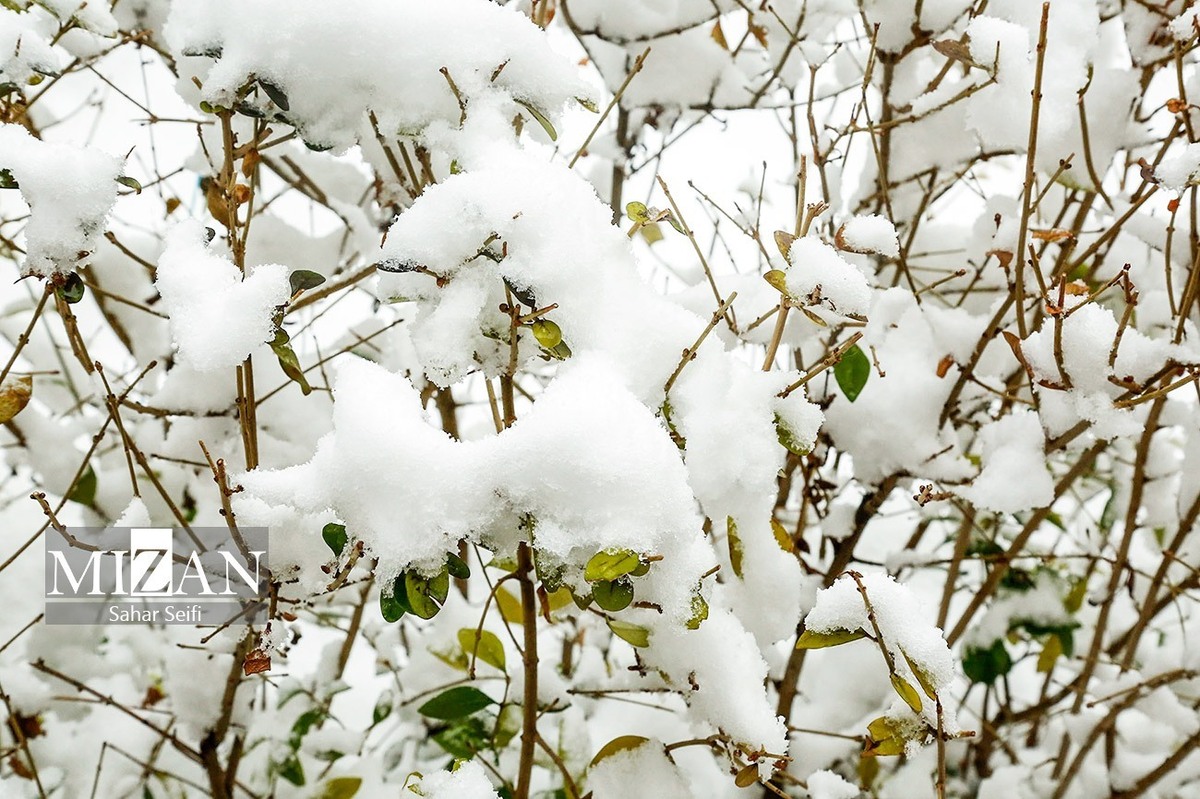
818	275
828	785
329	95
1179	171
646	766
217	318
903	622
1014	476
869	233
26	52
70	191
467	781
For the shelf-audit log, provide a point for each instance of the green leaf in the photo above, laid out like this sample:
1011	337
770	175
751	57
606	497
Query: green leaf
907	692
125	180
634	634
276	94
383	708
814	640
589	104
425	596
852	372
305	279
335	537
547	333
393	607
84	491
71	290
1050	653
457	567
465	738
622	743
611	564
484	644
7	181
462	700
291	770
341	788
541	119
288	361
613	595
985	665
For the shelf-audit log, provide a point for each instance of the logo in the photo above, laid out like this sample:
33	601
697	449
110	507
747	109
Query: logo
156	575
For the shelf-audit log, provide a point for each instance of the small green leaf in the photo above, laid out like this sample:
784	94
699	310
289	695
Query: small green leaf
84	491
71	290
305	279
484	644
457	567
383	708
815	640
622	743
291	770
422	594
547	333
395	605
613	595
985	665
670	217
611	564
852	372
907	692
132	183
589	104
335	537
462	700
465	738
288	361
7	181
541	119
341	788
276	94
634	634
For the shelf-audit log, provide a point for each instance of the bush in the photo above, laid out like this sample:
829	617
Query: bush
642	399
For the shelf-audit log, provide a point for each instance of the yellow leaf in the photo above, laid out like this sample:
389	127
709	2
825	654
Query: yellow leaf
621	743
783	240
782	537
907	692
510	606
484	645
747	776
718	36
735	545
1050	653
814	640
14	396
923	677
